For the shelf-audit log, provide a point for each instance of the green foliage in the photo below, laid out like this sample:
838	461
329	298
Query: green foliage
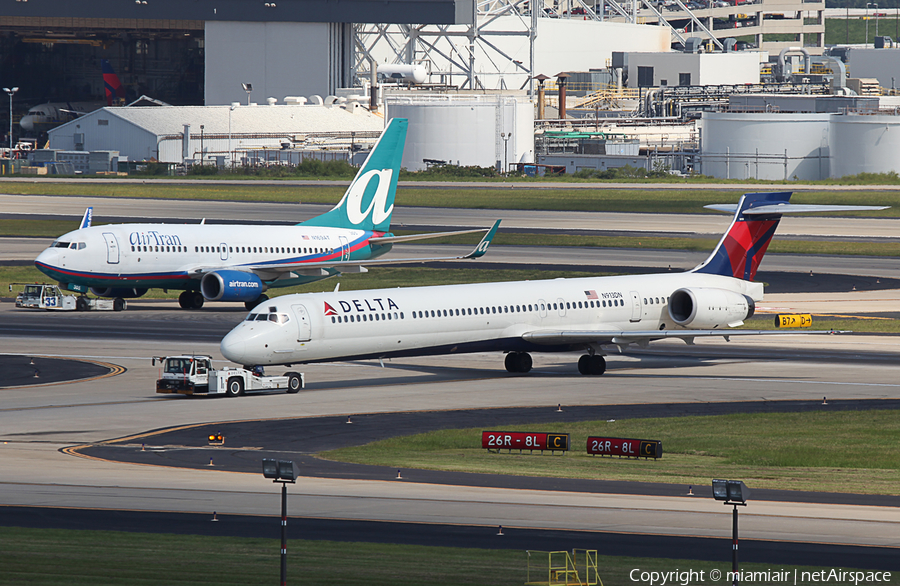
307	168
626	172
203	170
154	170
889	178
449	171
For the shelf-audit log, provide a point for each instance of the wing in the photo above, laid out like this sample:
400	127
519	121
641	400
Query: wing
271	271
623	338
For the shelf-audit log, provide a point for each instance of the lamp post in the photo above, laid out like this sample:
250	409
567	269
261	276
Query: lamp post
875	6
201	144
735	493
231	109
505	136
248	87
11	92
283	471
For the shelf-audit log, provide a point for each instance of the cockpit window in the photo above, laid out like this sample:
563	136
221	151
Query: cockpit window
278	318
60	244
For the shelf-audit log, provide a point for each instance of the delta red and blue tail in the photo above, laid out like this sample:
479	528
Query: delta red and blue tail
742	247
114	88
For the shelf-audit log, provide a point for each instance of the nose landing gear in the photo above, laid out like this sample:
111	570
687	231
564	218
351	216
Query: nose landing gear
518	362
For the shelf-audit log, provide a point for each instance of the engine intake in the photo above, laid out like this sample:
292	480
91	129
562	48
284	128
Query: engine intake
117	292
708	309
231	286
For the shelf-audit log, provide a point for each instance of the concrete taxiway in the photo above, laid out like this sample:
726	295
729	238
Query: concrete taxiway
39	422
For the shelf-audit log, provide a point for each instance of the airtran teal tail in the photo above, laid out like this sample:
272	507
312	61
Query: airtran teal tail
369	201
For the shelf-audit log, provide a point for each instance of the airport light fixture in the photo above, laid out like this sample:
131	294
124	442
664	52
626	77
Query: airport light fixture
733	492
505	136
11	92
283	471
875	6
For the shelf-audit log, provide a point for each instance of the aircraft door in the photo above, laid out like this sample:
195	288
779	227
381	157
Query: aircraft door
635	306
345	248
302	316
224	254
112	248
542	308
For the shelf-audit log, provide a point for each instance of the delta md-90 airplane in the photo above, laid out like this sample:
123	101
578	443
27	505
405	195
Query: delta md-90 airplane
240	262
585	314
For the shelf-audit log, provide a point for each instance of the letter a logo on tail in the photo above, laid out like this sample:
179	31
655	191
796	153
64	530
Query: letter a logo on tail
369	201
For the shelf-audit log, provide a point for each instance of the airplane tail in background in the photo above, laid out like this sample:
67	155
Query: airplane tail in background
756	216
741	249
369	201
114	88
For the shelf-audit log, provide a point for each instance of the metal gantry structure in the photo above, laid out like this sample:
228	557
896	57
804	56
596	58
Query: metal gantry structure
469	56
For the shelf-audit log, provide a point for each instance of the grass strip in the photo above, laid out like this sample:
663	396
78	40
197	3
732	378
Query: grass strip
643	199
49	557
846	451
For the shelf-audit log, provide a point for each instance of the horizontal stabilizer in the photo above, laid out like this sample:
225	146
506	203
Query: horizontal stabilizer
412	237
790	208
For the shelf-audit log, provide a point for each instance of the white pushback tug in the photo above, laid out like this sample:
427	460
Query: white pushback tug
194	375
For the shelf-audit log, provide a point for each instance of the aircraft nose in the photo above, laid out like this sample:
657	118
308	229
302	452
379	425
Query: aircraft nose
27	123
234	348
49	256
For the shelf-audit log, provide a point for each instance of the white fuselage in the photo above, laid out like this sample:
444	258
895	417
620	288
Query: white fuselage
457	318
169	255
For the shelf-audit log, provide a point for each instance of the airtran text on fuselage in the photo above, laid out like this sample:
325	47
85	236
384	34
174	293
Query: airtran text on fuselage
376	304
152	237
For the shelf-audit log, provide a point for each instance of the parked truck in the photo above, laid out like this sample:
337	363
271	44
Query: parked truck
44	296
194	375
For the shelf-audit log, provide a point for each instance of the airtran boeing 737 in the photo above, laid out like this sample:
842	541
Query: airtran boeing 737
239	263
528	316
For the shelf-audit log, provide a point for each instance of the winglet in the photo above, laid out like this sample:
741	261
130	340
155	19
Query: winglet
86	219
482	247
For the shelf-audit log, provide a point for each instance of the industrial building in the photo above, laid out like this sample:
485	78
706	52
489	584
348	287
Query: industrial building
218	134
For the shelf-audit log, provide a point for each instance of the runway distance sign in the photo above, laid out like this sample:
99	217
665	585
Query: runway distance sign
523	440
617	446
793	320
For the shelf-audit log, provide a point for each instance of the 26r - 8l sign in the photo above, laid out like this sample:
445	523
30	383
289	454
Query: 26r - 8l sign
521	440
617	446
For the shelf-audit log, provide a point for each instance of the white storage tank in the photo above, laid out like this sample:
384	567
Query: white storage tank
465	129
765	145
865	143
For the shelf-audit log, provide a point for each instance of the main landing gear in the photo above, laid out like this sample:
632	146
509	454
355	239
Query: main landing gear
592	364
190	300
249	305
589	364
518	362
